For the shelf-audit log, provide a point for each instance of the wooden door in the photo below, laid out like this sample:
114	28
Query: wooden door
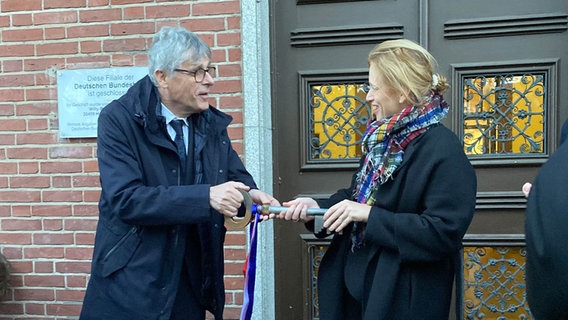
503	62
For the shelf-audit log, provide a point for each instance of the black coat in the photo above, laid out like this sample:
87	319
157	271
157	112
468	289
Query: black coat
546	228
149	215
413	236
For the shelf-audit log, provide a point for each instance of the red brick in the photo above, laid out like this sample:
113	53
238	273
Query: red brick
19	5
6	109
62	196
76	281
43	63
54	33
215	8
20	225
132	13
43	266
235	55
35	109
85	238
234	23
234	283
60	167
16	80
84	31
52	210
43	253
119	2
52	225
90	46
11	95
52	238
61	182
122	60
70	295
205	24
91	196
35	308
21	211
57	48
227	86
5	140
78	253
134	28
38	94
98	3
73	267
34	294
12	65
17	50
81	224
22	35
27	153
167	11
234	254
29	182
85	210
37	124
15	238
86	181
75	152
35	138
7	308
28	167
228	39
12	125
53	4
88	62
21	20
19	196
4	21
63	310
91	166
122	45
88	16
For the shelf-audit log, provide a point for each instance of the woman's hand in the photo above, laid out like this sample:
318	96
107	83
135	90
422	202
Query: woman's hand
297	209
341	214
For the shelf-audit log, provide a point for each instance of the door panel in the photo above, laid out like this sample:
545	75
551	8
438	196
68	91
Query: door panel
503	61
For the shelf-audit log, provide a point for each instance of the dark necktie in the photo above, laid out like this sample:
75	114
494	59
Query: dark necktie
181	149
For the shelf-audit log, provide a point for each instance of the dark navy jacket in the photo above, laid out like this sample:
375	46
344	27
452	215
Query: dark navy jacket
546	228
150	217
413	236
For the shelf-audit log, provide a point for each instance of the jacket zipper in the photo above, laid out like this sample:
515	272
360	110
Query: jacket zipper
121	241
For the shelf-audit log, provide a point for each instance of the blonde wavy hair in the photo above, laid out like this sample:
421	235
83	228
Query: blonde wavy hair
408	68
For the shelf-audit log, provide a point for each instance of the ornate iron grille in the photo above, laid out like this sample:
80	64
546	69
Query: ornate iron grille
504	114
337	122
494	283
316	253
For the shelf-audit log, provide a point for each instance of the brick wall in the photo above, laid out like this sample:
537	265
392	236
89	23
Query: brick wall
49	186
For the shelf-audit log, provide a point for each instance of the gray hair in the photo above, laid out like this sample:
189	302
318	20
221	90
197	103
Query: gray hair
173	46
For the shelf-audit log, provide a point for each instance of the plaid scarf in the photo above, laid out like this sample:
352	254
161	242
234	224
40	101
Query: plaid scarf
385	140
383	144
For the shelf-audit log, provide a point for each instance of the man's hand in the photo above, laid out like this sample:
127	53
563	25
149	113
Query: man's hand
226	198
260	197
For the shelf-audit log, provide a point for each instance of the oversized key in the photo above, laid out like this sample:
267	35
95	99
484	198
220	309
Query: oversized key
250	208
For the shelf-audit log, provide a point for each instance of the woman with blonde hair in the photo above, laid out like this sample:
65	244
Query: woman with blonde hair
399	226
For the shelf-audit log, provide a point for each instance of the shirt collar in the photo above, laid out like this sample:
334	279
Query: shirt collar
169	116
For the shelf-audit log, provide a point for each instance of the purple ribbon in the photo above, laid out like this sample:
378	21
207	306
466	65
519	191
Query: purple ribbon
250	271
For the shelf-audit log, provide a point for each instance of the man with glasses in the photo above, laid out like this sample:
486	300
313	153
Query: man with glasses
169	176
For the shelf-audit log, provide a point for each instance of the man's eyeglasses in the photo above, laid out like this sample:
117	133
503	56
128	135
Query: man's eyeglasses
198	74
